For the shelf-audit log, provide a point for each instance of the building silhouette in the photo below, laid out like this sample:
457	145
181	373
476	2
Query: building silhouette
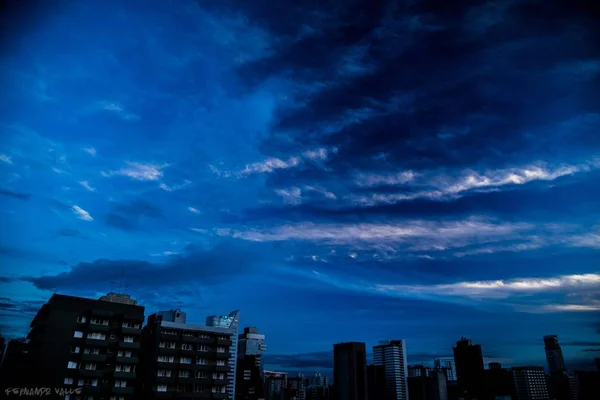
446	364
230	322
554	355
249	376
376	382
468	359
391	354
350	371
276	385
91	344
530	383
185	360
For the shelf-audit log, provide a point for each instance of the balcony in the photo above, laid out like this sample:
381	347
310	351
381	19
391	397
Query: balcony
166	351
190	379
221	368
221	382
166	365
129	345
96	342
221	356
224	342
190	339
98	327
122	390
166	379
124	375
131	331
93	357
127	360
92	373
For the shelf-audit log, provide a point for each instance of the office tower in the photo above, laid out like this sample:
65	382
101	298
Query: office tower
94	344
418	370
249	380
428	387
376	382
392	355
184	360
275	385
448	365
468	359
230	322
530	383
554	356
494	365
350	371
498	382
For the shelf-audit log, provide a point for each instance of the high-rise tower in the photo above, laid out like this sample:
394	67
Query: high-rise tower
350	371
230	322
391	354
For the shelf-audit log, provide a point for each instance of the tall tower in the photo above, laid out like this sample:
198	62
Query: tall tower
231	322
391	354
554	355
249	378
468	358
350	371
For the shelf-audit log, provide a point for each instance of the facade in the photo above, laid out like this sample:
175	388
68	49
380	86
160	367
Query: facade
468	359
185	361
392	355
230	322
376	382
448	365
498	382
249	376
428	387
530	383
350	371
275	385
554	355
418	370
15	364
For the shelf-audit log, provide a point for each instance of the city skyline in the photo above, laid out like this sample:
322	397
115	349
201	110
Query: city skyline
352	172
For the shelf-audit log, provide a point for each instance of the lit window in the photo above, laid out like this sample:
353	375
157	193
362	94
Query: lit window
72	365
202	347
128	339
78	334
201	361
75	349
185	360
81	319
120	383
220	362
161	388
68	381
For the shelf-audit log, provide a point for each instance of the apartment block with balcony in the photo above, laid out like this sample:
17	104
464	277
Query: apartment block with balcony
185	361
85	343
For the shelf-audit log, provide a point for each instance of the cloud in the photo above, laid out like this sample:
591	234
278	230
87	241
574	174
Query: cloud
573	307
291	196
370	180
139	171
194	210
174	188
20	307
120	222
269	165
314	360
82	214
87	186
90	150
16	195
117	109
5	159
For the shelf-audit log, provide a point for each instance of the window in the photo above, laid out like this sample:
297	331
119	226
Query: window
218	389
201	361
131	325
91	351
185	360
223	338
198	388
78	334
204	336
164	373
184	374
123	368
80	382
202	347
97	336
75	349
68	381
186	346
128	339
188	333
169	332
72	365
90	367
81	319
218	375
97	321
167	359
220	349
200	374
220	362
161	388
180	388
123	353
120	383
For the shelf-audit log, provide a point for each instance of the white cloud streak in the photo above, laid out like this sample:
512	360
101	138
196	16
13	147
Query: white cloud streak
194	210
87	186
269	165
174	188
90	150
5	159
117	109
139	171
82	214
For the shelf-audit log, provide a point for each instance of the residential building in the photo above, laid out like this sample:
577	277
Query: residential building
296	388
275	385
184	360
15	366
498	382
392	355
432	386
376	382
530	383
468	359
350	371
317	392
448	365
230	322
418	370
249	380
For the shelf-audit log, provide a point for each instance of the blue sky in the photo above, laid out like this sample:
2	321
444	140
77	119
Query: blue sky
336	170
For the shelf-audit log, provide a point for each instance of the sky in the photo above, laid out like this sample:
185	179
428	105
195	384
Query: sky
336	170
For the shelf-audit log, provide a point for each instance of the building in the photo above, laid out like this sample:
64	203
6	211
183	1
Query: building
275	385
446	364
376	382
468	359
587	385
494	365
90	344
498	382
15	364
418	370
350	371
296	388
230	322
392	355
183	360
432	386
249	375
314	392
530	383
554	355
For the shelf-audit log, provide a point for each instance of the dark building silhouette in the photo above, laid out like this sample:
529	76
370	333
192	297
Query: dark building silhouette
185	361
376	382
91	344
498	382
249	384
494	365
554	355
597	362
587	385
530	383
350	371
392	355
276	384
429	386
469	368
15	365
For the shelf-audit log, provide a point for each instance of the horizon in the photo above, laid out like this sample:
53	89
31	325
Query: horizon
336	171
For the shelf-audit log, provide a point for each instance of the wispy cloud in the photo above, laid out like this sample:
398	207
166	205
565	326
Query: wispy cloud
165	253
5	159
139	171
291	196
595	306
443	187
269	165
117	109
87	186
319	154
174	188
90	150
194	210
82	214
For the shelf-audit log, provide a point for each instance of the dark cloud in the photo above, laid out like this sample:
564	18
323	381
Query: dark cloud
68	232
120	222
139	208
19	307
4	279
130	216
314	361
591	350
15	195
580	343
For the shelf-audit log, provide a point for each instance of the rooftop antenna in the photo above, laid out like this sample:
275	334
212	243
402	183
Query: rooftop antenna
121	282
